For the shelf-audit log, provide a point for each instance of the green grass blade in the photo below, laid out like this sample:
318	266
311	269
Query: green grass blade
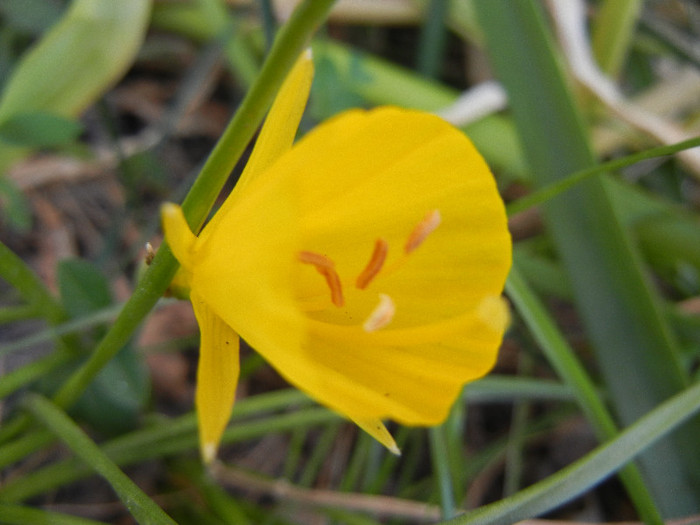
432	39
143	508
441	468
563	359
551	190
20	515
587	472
634	347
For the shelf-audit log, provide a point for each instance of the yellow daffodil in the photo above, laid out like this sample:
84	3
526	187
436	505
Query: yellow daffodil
365	263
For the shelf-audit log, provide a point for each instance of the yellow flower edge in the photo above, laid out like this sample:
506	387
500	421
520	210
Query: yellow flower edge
365	263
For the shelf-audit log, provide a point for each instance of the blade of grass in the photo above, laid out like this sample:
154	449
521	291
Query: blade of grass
12	314
587	472
634	347
70	327
513	469
20	377
150	444
143	508
552	189
433	38
441	470
20	515
563	359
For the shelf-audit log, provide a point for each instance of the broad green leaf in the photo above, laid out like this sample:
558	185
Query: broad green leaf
84	289
79	58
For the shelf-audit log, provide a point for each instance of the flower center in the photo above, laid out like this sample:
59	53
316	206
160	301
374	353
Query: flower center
385	310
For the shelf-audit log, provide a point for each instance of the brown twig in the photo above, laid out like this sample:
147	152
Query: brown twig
281	489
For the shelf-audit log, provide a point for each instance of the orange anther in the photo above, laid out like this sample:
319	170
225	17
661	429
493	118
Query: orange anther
425	227
325	267
318	260
376	261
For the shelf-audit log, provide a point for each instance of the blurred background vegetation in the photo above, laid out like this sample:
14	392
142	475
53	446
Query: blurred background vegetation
107	109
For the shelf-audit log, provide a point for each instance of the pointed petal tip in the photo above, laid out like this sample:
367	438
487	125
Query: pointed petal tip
177	233
308	53
395	450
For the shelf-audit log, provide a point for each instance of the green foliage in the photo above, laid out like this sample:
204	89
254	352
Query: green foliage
38	130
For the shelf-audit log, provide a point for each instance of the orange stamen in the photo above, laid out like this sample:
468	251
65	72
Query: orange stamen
318	260
427	226
325	267
376	261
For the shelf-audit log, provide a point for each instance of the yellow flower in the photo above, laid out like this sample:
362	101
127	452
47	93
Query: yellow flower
365	263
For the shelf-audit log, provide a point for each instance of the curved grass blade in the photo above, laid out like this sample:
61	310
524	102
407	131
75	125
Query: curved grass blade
587	472
551	190
143	508
21	515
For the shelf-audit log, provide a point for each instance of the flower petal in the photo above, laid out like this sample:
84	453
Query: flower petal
376	174
410	375
217	377
281	123
178	234
245	264
376	429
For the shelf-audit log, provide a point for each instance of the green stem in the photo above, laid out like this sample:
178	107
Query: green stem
290	42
